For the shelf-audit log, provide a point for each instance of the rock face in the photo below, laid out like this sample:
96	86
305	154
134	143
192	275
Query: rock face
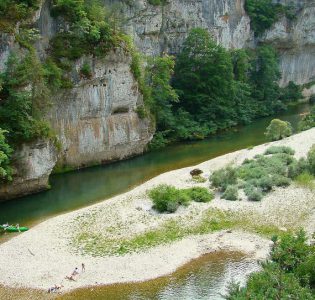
159	28
295	41
96	121
33	164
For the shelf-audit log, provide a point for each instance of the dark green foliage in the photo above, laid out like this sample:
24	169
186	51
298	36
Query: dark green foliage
288	275
278	130
291	93
23	98
86	70
53	74
167	198
223	178
204	81
199	194
231	193
264	13
309	121
264	79
5	156
88	33
279	149
13	11
215	89
157	2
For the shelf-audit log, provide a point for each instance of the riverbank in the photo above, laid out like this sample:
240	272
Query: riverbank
123	239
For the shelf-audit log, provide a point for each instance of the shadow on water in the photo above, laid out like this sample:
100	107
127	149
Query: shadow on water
85	187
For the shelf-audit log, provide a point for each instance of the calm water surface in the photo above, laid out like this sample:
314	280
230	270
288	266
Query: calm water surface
85	187
204	278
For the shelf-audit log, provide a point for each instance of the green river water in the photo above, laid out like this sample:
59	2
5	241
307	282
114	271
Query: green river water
204	278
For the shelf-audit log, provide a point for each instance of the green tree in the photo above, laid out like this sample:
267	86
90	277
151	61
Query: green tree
23	99
5	156
264	80
204	81
278	130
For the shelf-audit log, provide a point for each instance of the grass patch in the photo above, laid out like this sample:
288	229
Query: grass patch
212	220
305	180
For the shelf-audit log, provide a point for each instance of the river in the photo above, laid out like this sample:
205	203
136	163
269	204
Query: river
204	278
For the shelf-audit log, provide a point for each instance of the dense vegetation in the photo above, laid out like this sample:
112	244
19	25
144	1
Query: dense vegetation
214	89
5	155
258	176
289	274
308	121
167	198
13	11
264	13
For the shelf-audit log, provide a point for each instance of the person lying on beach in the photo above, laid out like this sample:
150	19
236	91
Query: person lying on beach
71	277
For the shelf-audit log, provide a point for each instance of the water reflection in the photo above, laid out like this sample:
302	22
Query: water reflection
204	278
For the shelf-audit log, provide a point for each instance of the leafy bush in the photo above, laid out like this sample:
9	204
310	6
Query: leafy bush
278	130
13	11
253	193
311	160
168	198
86	70
288	275
199	194
279	149
264	13
297	167
223	178
231	193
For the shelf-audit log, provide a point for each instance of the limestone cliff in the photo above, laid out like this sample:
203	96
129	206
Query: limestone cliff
159	29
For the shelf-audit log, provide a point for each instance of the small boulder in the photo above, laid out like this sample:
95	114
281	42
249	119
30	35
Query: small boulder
195	172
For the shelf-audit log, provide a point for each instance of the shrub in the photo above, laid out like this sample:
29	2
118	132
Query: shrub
280	180
231	193
305	179
265	183
307	122
199	194
311	160
278	130
290	274
253	193
168	198
86	70
223	177
279	149
297	167
5	158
